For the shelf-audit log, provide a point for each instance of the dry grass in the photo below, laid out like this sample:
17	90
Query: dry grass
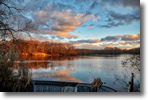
96	83
10	81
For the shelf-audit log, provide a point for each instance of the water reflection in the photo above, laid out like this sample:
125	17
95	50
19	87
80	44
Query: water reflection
48	58
77	68
60	75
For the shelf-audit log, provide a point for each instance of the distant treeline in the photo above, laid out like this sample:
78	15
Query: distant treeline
60	49
32	47
108	50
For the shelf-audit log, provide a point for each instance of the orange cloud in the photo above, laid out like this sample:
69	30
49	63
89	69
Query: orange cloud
64	34
96	41
65	28
131	37
121	42
111	45
139	35
62	22
88	46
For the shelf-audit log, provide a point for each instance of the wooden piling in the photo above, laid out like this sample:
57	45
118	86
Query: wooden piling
131	84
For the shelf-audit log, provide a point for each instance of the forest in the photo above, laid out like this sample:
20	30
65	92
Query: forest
46	48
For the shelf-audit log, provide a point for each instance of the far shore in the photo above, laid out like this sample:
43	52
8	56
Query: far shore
36	54
39	54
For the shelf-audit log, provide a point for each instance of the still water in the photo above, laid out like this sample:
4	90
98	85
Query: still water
81	69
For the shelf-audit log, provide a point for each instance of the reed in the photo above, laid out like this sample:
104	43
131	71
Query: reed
96	84
10	80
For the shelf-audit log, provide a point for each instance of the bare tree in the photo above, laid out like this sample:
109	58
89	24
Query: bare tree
132	63
12	19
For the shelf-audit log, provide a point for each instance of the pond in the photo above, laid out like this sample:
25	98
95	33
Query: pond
82	69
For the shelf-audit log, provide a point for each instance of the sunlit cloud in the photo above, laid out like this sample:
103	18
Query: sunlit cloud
61	22
131	37
121	42
130	41
88	46
69	21
86	41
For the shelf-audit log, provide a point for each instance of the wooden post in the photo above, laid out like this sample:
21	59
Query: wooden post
131	84
94	89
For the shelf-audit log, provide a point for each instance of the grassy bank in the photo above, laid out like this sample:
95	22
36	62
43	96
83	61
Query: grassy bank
11	81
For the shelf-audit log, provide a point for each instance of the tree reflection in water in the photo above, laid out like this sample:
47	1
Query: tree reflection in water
131	63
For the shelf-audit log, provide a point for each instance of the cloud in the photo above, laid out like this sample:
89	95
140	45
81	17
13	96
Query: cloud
130	37
110	38
116	19
86	41
88	46
121	42
94	5
139	35
137	41
111	45
112	24
130	3
64	34
59	37
123	38
129	41
126	17
62	18
22	36
127	37
56	36
53	37
32	36
122	3
61	22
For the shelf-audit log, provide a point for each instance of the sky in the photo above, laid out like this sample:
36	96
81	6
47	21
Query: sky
88	24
